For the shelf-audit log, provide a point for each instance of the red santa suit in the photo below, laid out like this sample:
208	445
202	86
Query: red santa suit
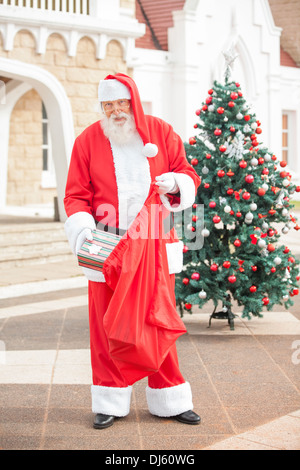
109	183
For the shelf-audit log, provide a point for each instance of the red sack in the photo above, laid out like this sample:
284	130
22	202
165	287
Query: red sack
141	321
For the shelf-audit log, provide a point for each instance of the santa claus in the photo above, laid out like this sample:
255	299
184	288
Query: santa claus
114	163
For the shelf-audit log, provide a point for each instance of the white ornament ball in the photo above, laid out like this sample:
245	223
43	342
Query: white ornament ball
285	298
286	183
227	209
205	170
284	212
261	243
265	225
277	260
202	294
254	162
211	108
285	230
253	206
267	158
254	125
265	186
205	232
239	116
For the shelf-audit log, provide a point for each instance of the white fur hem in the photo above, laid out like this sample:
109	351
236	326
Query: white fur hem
187	193
113	401
169	401
175	256
75	224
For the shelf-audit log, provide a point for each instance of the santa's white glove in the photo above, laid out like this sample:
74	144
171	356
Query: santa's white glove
84	235
166	183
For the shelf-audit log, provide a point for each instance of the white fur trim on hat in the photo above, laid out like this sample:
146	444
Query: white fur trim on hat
150	150
111	90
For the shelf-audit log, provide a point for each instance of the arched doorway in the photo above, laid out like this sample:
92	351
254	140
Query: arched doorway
59	115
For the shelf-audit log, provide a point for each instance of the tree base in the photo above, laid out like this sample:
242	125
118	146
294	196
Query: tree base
228	315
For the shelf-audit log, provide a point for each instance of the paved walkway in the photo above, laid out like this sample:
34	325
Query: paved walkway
246	382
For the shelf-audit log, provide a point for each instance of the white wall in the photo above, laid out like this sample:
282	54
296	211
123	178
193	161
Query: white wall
177	82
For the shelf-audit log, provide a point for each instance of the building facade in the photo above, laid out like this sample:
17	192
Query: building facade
54	52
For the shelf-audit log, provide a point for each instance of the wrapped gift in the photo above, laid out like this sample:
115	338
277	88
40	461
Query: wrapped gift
94	253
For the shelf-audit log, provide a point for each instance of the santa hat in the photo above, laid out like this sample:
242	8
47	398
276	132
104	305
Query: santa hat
120	86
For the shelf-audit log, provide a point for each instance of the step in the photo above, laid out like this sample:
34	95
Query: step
30	233
33	243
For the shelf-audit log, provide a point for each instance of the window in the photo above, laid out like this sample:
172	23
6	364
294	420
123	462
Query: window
285	137
48	173
289	139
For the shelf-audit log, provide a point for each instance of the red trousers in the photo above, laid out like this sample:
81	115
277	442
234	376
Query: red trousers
105	372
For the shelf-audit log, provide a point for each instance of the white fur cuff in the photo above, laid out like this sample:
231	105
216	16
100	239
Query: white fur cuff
175	256
169	401
75	224
113	401
187	193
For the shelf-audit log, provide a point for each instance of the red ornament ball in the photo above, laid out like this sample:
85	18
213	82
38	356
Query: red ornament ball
249	179
194	162
188	306
231	104
212	204
220	110
234	95
246	196
243	164
226	264
195	276
247	117
261	192
214	267
216	219
232	279
253	289
232	129
217	132
185	281
266	300
221	173
222	148
237	243
192	140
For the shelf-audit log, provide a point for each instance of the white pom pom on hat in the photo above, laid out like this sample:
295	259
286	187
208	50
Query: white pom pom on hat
150	150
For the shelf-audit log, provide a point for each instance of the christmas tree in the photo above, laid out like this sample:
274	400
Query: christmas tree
246	195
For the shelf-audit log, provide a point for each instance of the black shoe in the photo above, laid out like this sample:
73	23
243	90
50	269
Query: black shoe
188	417
103	421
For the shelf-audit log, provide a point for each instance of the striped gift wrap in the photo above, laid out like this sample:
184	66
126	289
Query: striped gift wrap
93	254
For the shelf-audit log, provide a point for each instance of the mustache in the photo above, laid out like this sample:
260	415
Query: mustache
120	115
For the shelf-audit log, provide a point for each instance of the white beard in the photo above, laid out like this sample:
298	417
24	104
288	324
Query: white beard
119	134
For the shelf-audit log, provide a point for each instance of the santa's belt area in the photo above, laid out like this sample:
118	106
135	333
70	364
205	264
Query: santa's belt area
168	225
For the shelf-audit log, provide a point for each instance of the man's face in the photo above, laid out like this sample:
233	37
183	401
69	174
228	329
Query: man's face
117	110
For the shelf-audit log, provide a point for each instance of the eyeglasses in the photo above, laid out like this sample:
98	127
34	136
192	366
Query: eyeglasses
119	104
